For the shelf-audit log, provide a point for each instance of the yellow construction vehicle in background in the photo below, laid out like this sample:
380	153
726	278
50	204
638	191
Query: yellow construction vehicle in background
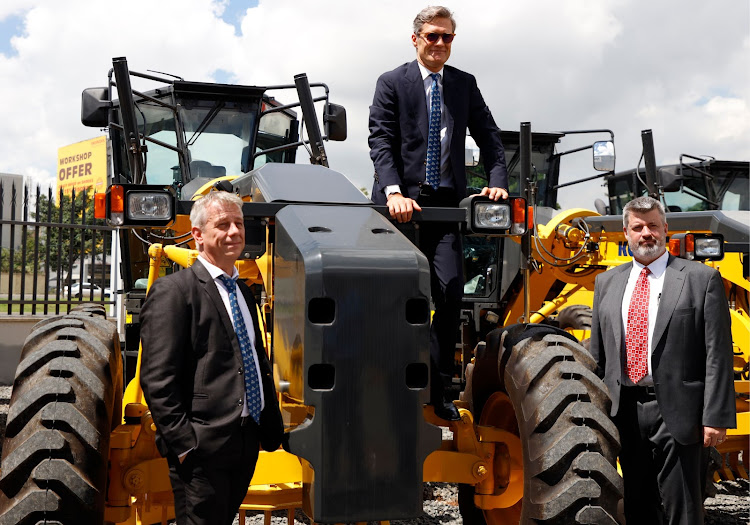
549	278
345	301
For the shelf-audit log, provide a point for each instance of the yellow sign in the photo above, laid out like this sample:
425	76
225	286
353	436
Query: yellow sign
83	165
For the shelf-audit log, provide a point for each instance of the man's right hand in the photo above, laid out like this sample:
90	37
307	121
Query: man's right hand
401	207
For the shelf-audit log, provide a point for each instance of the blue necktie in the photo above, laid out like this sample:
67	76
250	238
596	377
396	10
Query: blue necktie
252	389
433	136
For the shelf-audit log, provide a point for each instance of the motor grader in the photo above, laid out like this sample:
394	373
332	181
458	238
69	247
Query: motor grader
708	205
345	306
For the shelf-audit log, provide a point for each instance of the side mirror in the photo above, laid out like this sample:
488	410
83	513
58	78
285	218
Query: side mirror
604	155
335	120
471	152
95	106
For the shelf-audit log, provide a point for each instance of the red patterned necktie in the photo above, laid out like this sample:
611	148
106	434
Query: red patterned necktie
636	341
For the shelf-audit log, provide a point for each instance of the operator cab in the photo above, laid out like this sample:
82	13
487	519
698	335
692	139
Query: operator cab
196	132
708	184
169	143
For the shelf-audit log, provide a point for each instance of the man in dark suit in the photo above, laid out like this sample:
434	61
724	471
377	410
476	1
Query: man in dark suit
204	373
661	336
418	121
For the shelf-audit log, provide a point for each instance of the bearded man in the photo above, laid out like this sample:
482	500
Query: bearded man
661	337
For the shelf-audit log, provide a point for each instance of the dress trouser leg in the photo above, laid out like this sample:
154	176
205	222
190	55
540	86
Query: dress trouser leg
662	477
209	490
441	244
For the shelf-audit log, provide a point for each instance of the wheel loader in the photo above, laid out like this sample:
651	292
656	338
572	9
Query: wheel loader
345	306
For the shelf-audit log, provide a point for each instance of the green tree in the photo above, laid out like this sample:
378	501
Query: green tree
18	256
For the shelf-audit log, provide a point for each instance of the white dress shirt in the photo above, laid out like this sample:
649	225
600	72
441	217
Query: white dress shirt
655	287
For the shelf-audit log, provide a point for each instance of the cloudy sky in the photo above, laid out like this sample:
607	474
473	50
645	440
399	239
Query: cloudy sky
678	67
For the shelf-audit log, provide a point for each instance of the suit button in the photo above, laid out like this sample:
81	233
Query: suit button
239	403
239	371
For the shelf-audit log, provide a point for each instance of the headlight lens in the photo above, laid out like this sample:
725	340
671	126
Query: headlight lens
697	246
149	206
492	215
707	247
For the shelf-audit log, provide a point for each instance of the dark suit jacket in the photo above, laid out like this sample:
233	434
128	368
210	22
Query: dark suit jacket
398	130
191	368
691	346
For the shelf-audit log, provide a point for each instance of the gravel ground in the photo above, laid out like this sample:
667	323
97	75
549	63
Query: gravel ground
731	506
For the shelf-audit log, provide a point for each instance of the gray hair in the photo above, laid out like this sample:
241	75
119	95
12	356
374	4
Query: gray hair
643	204
430	13
198	216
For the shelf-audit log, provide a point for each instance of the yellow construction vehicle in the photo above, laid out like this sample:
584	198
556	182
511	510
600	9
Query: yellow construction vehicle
345	301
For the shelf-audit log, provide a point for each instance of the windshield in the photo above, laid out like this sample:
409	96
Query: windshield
476	178
728	183
162	163
275	129
217	135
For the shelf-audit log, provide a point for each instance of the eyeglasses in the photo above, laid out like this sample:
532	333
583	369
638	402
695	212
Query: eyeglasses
432	38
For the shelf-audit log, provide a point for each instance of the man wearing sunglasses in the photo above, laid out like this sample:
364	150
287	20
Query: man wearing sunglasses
418	121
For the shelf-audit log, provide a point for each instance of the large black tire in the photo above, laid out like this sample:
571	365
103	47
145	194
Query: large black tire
575	317
66	399
569	443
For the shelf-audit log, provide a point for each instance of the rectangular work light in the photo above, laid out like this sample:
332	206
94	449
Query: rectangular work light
697	246
136	205
488	217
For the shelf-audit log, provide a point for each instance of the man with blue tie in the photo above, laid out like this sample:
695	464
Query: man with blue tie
205	375
418	121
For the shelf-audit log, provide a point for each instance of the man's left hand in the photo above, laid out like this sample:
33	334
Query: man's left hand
495	193
713	436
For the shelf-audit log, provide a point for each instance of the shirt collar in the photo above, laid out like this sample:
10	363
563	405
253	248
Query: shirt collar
214	271
657	267
426	72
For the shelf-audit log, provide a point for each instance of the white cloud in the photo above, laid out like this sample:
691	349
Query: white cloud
732	118
677	67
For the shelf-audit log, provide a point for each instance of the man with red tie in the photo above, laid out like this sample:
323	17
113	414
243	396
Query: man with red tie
661	337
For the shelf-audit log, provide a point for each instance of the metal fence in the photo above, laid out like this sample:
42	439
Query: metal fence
55	256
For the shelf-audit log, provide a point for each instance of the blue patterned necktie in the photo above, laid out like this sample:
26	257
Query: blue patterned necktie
433	136
252	389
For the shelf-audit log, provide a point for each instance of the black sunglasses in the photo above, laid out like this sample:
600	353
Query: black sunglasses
434	37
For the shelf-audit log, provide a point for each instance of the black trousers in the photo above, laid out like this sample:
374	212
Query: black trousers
441	244
662	477
209	490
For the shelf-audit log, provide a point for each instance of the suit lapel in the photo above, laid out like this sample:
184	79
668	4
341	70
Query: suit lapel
450	97
674	279
209	287
417	102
